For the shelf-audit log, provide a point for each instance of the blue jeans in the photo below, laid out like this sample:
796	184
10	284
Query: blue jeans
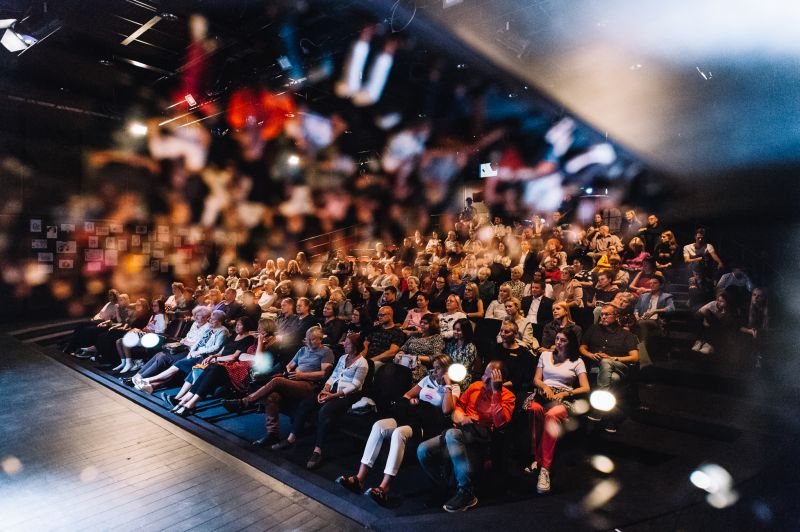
611	372
432	454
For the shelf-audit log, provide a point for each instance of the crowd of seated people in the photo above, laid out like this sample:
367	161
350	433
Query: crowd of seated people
531	342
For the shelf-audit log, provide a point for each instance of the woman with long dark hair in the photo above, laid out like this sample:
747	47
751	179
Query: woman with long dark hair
560	376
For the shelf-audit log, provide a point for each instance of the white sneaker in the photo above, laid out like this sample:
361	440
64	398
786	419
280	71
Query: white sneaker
543	483
137	380
707	349
697	345
120	367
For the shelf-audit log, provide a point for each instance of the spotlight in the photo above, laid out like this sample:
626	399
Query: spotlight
293	160
150	340
457	372
603	400
33	29
130	340
137	129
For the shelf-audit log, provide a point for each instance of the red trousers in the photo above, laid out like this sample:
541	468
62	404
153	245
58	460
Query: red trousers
545	430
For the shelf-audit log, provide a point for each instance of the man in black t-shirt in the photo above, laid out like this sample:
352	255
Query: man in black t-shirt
609	347
384	342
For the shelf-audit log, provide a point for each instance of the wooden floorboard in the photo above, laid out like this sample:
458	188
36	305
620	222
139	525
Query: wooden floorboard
92	460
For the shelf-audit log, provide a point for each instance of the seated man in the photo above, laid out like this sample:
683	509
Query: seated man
385	340
310	366
482	408
651	307
610	348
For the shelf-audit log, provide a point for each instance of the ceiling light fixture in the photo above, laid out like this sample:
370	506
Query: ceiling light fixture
143	28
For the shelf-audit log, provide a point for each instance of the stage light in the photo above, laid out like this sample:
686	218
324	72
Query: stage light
293	160
130	340
602	463
457	372
263	362
717	482
13	41
602	400
150	340
137	129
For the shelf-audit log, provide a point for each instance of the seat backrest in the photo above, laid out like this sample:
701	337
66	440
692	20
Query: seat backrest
173	328
390	383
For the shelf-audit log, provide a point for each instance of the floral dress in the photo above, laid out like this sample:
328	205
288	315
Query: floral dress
464	355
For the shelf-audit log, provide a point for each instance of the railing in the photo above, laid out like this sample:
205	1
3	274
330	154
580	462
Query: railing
321	244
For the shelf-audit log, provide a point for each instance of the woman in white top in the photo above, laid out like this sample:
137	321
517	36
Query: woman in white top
452	314
427	401
560	375
210	343
497	308
269	299
341	390
157	324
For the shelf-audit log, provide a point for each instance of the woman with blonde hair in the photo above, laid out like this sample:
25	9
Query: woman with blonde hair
562	321
635	254
666	251
497	308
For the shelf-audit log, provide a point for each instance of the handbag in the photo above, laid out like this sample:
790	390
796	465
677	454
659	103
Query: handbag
538	396
174	348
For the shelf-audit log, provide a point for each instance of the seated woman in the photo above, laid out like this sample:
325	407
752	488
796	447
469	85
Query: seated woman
409	297
332	402
106	343
450	316
216	370
569	290
634	254
419	351
209	343
666	252
524	328
86	334
333	327
497	308
557	374
641	282
472	304
97	330
157	324
562	321
555	250
430	402
413	321
461	349
179	350
344	308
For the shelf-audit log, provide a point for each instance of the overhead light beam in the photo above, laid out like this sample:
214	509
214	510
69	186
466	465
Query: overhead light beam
143	28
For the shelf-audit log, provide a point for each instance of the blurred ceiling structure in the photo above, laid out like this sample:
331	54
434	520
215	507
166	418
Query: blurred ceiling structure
691	87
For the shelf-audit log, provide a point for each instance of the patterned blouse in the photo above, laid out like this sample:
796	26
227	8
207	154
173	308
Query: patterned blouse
464	355
429	346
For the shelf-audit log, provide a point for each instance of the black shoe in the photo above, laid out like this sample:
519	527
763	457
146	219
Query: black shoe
462	501
233	405
169	400
314	462
127	381
282	445
266	441
185	411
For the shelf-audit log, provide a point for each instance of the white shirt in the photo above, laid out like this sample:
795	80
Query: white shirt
563	375
534	310
434	393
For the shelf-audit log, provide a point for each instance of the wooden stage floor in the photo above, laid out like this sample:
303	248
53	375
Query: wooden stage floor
77	456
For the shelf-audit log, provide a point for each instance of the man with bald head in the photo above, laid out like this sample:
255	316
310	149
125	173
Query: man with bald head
385	341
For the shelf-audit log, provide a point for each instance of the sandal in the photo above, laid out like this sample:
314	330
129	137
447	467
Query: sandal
378	495
351	484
